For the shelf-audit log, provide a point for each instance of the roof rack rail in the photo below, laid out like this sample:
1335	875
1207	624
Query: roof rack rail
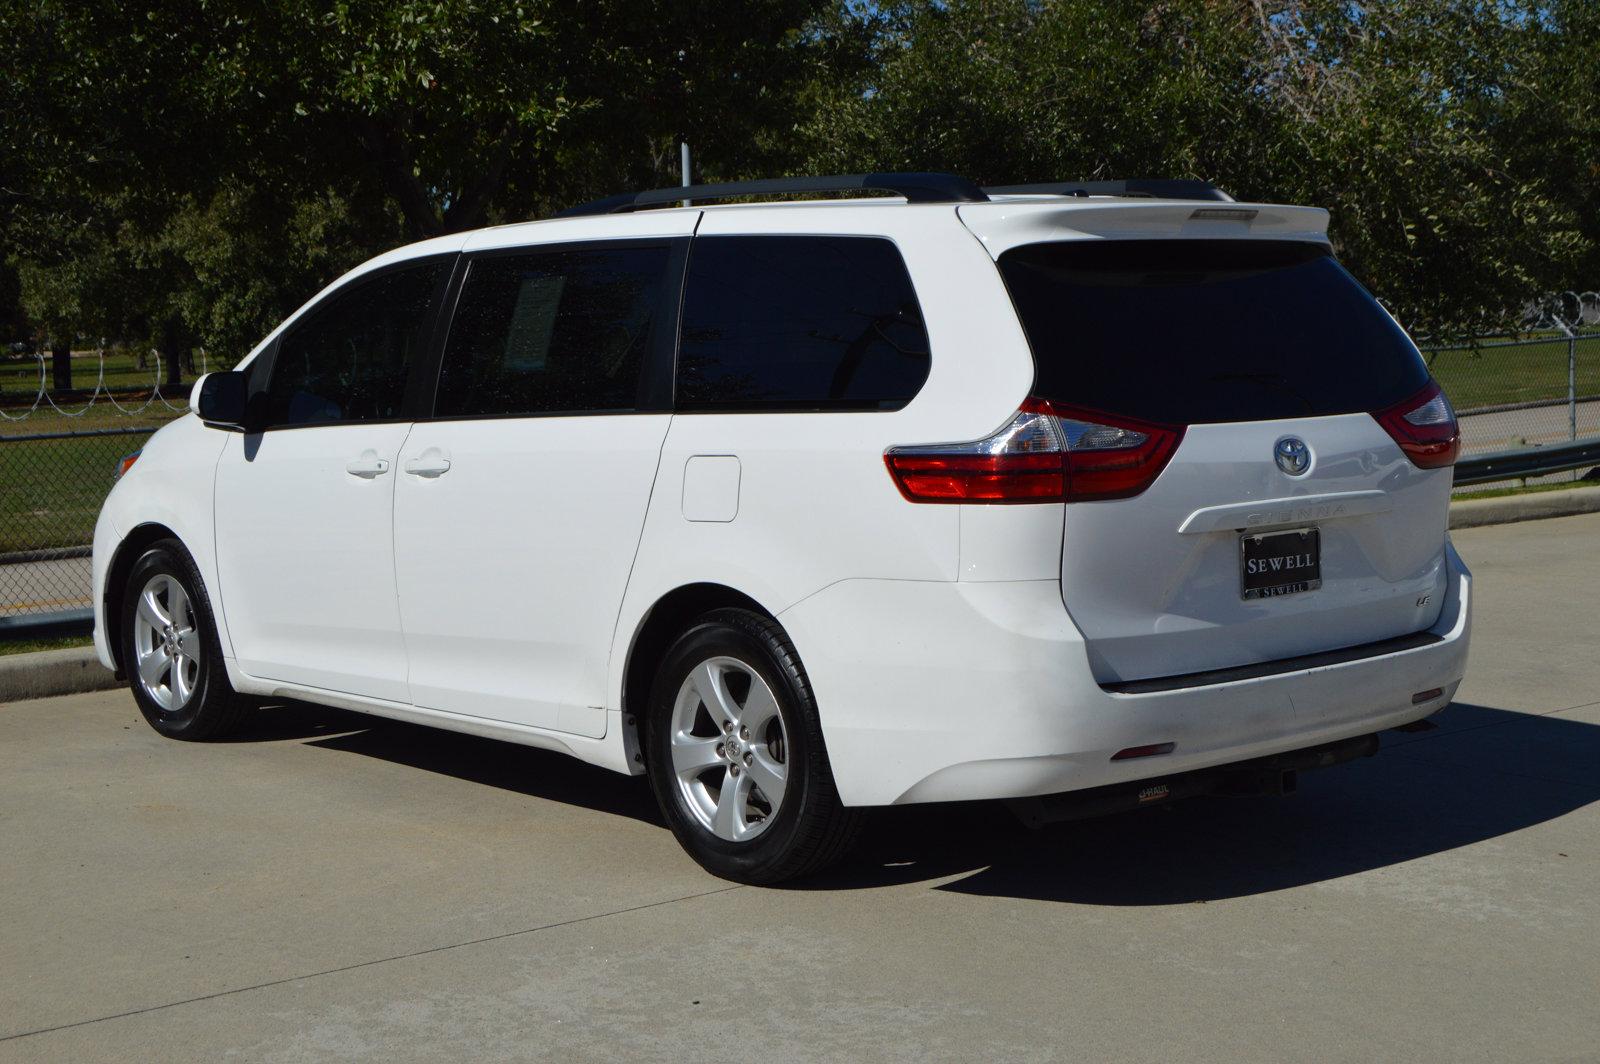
1154	188
916	188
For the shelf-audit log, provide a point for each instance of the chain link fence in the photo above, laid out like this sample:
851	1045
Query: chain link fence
51	488
1528	394
1511	394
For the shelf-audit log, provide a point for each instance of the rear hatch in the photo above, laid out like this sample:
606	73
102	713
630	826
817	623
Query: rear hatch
1288	519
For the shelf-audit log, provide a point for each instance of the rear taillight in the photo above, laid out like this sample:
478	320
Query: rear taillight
1425	428
1045	453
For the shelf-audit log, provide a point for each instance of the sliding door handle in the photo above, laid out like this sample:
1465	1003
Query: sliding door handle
430	463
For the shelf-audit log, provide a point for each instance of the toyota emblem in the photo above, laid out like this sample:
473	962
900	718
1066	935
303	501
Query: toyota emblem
1292	455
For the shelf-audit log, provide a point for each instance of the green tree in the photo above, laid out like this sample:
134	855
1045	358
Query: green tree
1376	111
1544	120
241	155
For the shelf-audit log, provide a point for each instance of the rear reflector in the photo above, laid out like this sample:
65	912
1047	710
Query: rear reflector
1045	453
1143	751
1426	696
1425	428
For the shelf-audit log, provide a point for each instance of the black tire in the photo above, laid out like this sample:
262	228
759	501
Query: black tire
213	710
810	829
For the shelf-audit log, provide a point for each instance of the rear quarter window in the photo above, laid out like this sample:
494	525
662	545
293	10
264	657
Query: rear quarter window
1194	331
799	323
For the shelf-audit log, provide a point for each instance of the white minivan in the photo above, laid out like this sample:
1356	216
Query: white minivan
1085	496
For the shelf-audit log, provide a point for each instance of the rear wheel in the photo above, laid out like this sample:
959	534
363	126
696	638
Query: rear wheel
736	755
170	649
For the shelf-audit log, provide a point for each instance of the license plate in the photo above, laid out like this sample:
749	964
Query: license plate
1280	563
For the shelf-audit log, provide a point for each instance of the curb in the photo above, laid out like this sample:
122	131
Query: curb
47	673
1473	513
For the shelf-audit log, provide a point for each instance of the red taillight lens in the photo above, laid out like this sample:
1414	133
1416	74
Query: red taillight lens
1045	453
1113	458
1425	428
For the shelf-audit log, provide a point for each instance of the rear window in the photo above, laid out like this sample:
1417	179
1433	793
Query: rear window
1193	331
799	323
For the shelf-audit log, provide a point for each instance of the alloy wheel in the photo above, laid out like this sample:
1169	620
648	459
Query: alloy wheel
729	747
166	643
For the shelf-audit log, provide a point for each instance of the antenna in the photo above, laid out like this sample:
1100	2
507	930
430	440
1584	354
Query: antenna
683	160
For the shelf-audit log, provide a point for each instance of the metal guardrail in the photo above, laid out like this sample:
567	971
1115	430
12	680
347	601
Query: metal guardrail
1528	462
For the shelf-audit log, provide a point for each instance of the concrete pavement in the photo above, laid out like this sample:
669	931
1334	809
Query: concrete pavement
45	586
1506	430
340	888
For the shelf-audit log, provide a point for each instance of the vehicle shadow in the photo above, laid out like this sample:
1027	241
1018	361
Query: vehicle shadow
1484	773
525	770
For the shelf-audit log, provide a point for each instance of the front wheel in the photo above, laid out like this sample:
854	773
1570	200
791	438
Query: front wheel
170	649
736	756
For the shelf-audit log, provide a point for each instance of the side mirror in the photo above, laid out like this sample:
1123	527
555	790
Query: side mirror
222	399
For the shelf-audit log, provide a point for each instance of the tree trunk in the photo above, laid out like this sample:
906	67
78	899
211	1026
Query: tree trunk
61	366
174	341
175	364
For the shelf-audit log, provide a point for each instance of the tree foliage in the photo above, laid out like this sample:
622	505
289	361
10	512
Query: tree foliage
1380	112
239	155
192	170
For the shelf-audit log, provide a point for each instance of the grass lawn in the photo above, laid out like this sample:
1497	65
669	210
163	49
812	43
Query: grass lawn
51	490
1515	373
100	416
1496	493
28	646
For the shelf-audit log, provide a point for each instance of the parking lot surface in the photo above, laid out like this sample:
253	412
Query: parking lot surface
334	887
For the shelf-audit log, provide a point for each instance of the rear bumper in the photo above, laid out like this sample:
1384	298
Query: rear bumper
1263	775
957	691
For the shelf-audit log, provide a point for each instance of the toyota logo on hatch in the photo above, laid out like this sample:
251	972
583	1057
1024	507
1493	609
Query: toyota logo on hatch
1292	455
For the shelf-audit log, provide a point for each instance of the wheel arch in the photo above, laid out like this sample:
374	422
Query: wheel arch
128	551
661	625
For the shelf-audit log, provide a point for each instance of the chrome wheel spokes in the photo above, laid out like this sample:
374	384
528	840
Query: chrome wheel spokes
729	749
166	643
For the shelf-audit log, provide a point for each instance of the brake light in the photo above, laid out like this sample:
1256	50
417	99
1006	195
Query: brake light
1425	428
1046	453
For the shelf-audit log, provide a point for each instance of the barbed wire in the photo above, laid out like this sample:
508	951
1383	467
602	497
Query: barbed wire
1564	310
42	394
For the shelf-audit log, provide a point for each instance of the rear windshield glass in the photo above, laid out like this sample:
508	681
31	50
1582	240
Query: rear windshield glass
1191	331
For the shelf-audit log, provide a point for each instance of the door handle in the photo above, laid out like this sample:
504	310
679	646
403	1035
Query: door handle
367	465
430	463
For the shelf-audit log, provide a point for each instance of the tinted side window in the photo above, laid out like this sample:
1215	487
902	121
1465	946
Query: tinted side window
348	360
1192	331
552	332
799	323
